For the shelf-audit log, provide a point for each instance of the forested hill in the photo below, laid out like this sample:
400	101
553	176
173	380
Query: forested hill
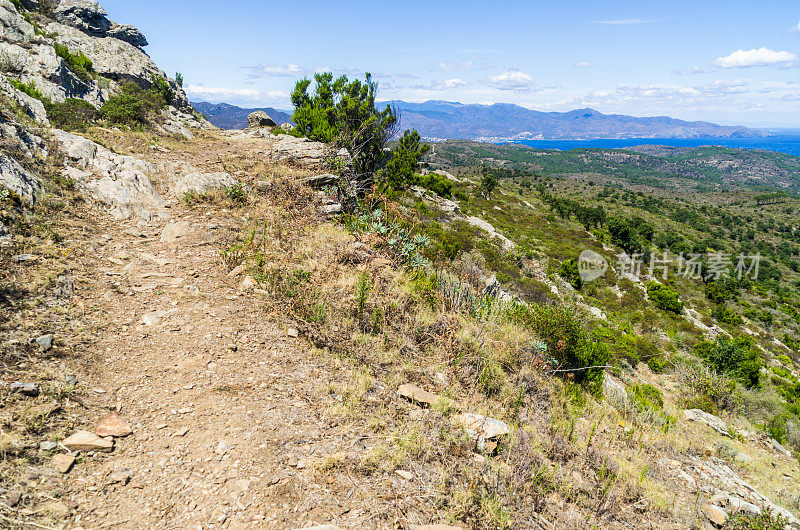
503	122
707	168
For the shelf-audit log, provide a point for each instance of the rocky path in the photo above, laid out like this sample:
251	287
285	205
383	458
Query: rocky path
228	410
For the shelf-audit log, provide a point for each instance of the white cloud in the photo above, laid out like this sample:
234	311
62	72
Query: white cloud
623	22
760	57
447	84
220	93
455	66
515	80
275	70
582	64
691	71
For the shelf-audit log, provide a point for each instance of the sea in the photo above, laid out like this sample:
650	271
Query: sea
783	143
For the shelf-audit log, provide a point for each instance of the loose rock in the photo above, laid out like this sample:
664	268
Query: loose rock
715	422
63	463
113	425
45	342
26	389
86	441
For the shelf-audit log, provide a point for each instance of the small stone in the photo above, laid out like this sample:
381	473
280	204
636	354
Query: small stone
13	499
71	380
293	333
120	477
381	262
222	448
26	389
415	393
24	257
59	509
63	463
236	271
483	427
405	474
45	342
47	446
248	284
86	441
192	290
137	484
182	431
113	425
714	514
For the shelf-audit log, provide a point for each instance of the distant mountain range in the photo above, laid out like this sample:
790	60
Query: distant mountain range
504	122
227	116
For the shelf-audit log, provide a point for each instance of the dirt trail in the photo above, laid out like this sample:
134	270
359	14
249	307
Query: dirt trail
228	411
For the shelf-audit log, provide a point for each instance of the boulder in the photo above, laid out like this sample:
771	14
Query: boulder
118	184
45	342
716	515
129	34
19	180
287	127
319	181
776	445
415	393
715	422
614	393
259	118
483	427
85	15
199	183
13	27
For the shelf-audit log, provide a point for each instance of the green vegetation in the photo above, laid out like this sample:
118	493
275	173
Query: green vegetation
132	105
78	63
403	163
735	357
664	298
344	112
28	88
72	114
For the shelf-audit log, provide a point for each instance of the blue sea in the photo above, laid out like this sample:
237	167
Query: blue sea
789	144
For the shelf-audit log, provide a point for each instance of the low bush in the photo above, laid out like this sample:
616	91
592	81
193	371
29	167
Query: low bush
132	105
764	521
72	114
568	342
78	63
664	297
734	357
569	271
28	88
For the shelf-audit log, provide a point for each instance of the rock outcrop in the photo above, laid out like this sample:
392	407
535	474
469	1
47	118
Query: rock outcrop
89	17
260	118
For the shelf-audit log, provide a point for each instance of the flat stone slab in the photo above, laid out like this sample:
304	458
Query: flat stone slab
715	422
63	463
86	441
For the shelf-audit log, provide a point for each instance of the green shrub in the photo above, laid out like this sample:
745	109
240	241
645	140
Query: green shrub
132	105
438	184
647	396
569	271
664	297
278	130
735	357
78	63
568	342
28	88
161	86
764	521
399	172
72	115
726	315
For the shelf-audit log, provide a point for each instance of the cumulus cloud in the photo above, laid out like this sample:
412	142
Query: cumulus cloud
582	64
220	93
756	57
515	80
623	21
448	83
274	70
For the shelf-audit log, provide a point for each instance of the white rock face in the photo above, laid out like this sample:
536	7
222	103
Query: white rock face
118	184
17	179
715	422
199	183
487	227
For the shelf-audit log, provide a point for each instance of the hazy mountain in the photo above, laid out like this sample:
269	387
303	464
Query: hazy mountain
502	121
227	116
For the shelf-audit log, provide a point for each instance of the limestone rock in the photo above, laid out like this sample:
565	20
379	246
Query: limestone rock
63	463
13	27
89	17
119	184
200	183
45	342
319	181
715	422
86	441
481	426
614	393
18	180
260	118
714	514
174	231
26	389
780	449
113	425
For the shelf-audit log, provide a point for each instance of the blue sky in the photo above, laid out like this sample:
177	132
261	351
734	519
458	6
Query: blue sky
732	62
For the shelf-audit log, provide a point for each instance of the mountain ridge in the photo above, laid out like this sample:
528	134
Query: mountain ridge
227	116
499	122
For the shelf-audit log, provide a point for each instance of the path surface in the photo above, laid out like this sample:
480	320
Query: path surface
227	409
